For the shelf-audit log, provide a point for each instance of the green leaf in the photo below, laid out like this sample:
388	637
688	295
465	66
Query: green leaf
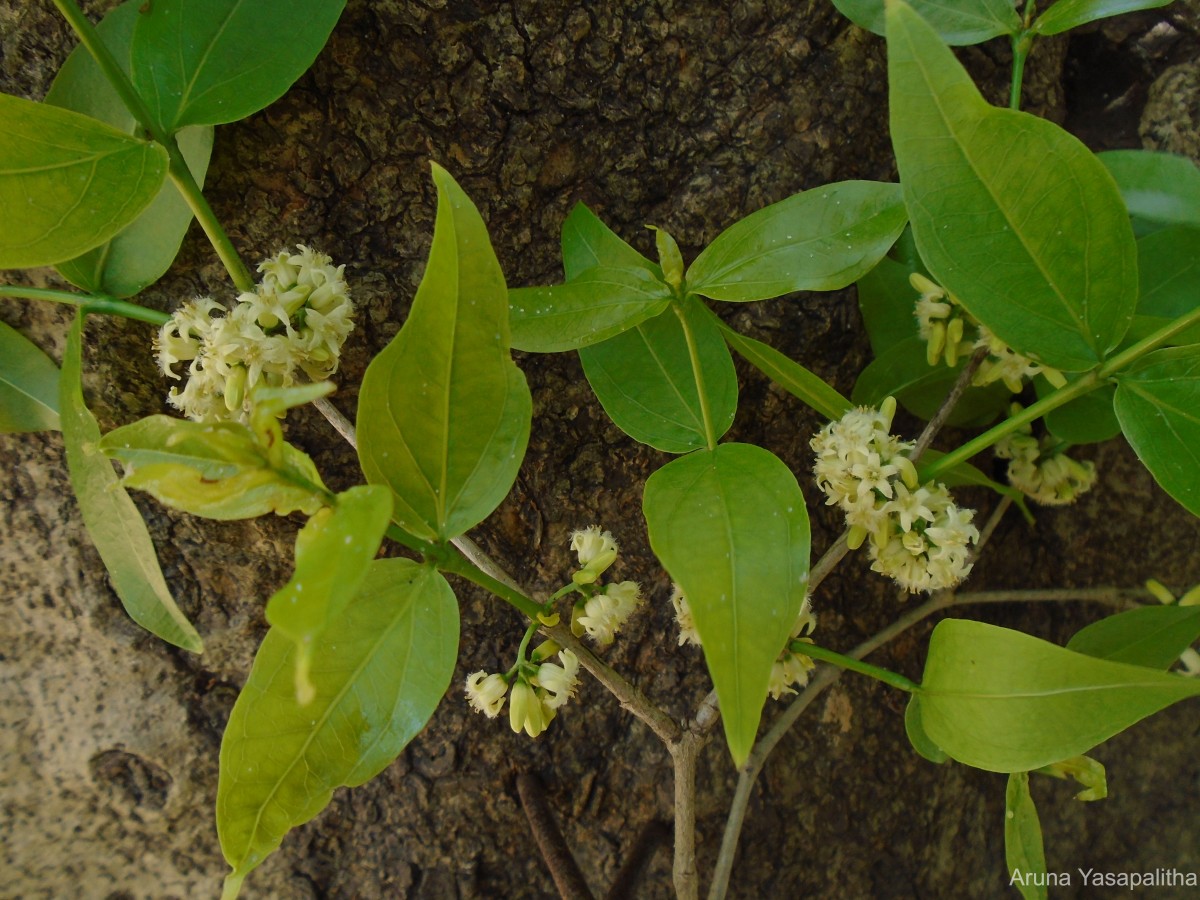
379	671
587	243
818	240
1162	188
1067	14
333	553
798	381
595	305
1089	419
1158	406
1011	214
888	304
1084	771
139	255
1169	272
731	528
1023	851
959	22
644	379
28	385
1152	636
916	733
76	182
208	62
902	372
1159	189
1004	701
219	470
444	413
113	522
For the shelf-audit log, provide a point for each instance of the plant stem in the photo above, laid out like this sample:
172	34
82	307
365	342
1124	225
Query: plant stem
457	564
178	169
92	303
855	665
710	433
684	753
1022	43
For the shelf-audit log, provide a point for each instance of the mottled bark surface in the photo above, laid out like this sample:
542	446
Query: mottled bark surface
685	115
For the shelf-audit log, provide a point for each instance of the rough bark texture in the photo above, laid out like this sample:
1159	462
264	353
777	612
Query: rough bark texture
686	115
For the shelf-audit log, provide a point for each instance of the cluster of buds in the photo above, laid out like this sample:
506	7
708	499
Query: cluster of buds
538	688
1041	468
296	320
602	609
950	332
919	537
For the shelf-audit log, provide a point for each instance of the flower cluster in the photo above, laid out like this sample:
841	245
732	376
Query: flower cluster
604	608
1041	469
683	617
296	320
792	668
943	324
919	537
538	690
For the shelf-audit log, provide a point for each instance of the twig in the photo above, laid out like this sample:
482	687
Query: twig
340	423
684	753
559	859
939	418
654	834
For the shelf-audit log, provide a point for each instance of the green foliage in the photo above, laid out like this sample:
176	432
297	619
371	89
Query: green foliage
644	379
1004	701
1010	213
597	304
140	254
333	552
444	413
798	381
1067	14
28	385
915	730
208	62
587	243
1085	420
1158	188
1158	406
379	670
1168	274
731	528
1023	851
113	522
958	22
76	182
818	240
1152	636
219	470
902	371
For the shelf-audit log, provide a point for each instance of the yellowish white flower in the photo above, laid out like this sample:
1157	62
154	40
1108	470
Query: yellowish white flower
296	320
1041	469
486	693
683	617
791	669
528	710
1005	364
604	613
558	683
596	550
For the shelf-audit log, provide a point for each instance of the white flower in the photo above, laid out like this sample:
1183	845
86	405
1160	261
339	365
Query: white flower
1005	364
1041	469
604	614
528	712
925	546
683	617
486	693
296	319
792	668
596	550
558	682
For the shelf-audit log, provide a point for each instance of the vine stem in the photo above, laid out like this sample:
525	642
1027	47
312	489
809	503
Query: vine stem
180	174
92	303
